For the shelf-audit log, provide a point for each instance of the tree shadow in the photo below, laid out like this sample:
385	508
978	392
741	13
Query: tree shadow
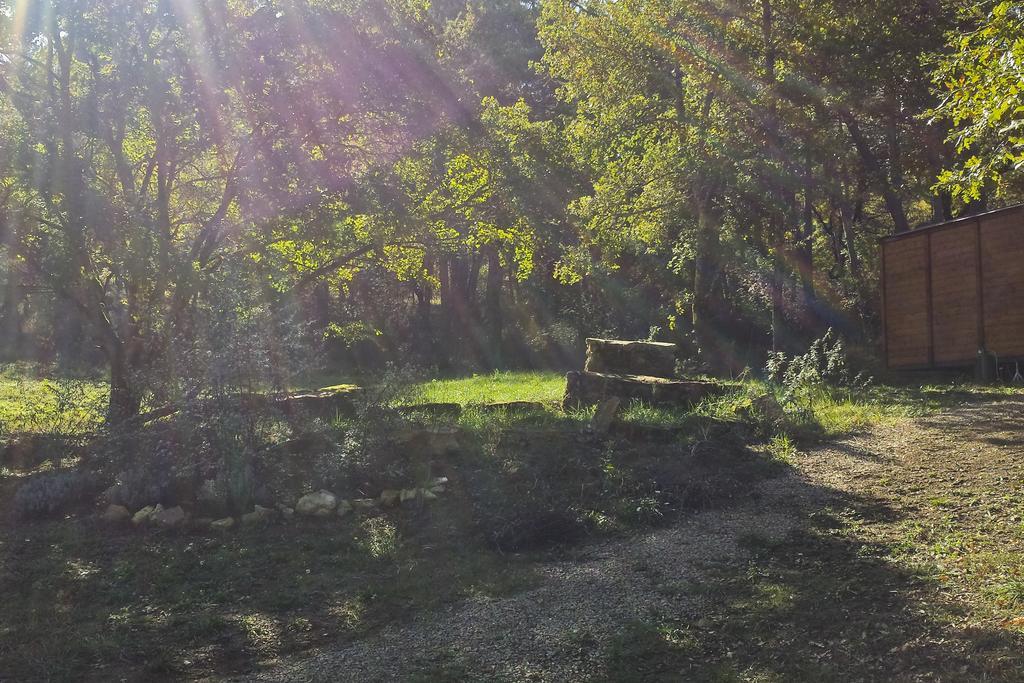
820	605
91	603
845	447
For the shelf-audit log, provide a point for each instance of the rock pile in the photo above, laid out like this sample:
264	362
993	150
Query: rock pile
318	504
632	371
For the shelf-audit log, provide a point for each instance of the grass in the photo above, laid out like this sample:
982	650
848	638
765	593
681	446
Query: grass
111	604
543	387
975	550
127	603
139	603
822	605
61	405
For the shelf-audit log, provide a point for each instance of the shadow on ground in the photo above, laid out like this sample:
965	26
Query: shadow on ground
818	606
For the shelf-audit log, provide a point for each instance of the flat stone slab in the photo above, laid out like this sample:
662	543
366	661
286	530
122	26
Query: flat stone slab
510	407
431	409
589	388
616	356
430	442
326	403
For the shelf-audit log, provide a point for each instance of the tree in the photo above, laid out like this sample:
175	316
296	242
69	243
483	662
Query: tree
724	128
152	136
981	81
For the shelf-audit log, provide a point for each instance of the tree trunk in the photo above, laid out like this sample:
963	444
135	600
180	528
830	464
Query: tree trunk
893	203
425	333
11	328
851	246
125	399
777	285
804	251
704	264
492	307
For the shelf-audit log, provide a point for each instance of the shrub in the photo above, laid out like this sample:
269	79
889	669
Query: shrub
824	364
366	456
144	484
52	492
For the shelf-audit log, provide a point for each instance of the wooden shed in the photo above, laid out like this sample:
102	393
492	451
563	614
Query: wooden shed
953	288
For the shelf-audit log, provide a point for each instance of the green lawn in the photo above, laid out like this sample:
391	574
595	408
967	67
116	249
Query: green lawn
67	406
32	404
546	387
125	602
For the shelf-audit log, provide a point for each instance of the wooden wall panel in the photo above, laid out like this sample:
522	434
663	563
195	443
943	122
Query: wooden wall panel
955	310
1002	264
906	301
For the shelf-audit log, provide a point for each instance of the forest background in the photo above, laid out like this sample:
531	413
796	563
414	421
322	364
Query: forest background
210	194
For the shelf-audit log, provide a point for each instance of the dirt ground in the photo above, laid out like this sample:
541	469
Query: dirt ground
893	554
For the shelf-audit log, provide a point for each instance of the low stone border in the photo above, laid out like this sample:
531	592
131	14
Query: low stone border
320	504
516	407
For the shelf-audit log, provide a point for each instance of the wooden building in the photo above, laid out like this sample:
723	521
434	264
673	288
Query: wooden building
951	289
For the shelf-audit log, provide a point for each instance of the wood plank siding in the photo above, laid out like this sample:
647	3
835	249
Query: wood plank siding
1002	267
953	288
955	294
906	296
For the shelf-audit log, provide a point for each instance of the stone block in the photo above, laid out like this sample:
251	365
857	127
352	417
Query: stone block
614	356
589	388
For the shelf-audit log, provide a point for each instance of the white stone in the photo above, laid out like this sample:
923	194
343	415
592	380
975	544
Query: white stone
169	518
143	516
258	515
319	504
222	524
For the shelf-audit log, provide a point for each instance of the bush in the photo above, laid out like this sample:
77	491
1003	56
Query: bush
142	485
366	457
52	492
824	364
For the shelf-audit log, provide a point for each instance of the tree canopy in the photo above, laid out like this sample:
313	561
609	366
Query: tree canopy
478	183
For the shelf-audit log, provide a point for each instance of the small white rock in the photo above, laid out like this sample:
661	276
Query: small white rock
143	516
258	515
169	518
319	504
222	524
344	507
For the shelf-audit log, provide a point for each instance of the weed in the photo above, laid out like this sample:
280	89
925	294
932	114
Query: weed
782	448
1009	594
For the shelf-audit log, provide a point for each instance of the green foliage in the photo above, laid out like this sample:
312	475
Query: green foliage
782	448
823	364
980	82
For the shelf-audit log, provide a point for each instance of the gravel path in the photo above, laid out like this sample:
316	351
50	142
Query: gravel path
559	630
